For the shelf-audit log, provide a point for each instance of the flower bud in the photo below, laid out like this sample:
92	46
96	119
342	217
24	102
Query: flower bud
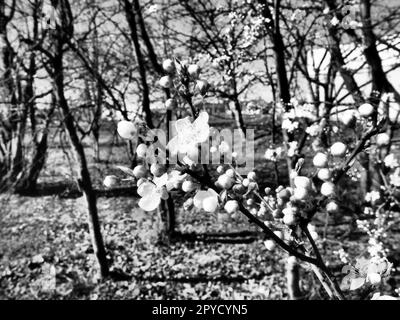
302	182
110	181
141	150
168	66
166	82
324	174
231	206
225	181
382	139
338	149
332	207
328	189
139	171
220	169
300	193
188	186
127	130
249	202
320	160
251	176
289	219
366	110
246	182
270	245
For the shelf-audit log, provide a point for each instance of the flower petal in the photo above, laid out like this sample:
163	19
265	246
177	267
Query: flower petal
146	188
161	181
150	202
199	198
356	283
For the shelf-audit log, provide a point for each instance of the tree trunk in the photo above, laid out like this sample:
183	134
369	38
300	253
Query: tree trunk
130	16
380	82
84	180
29	182
62	35
8	107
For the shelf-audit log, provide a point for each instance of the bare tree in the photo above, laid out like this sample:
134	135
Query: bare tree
59	38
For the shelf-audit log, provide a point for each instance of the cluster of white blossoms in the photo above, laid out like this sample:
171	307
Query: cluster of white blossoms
314	130
372	197
292	148
395	178
366	271
342	255
273	154
155	181
289	125
285	210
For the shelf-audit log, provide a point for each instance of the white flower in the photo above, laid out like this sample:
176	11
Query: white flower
273	154
372	196
292	148
127	130
189	134
153	8
366	110
152	193
231	206
314	130
335	21
365	270
320	160
289	125
110	181
175	178
391	161
395	178
382	139
206	200
355	24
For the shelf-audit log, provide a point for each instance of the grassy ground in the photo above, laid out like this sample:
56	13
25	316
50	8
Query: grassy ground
45	239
